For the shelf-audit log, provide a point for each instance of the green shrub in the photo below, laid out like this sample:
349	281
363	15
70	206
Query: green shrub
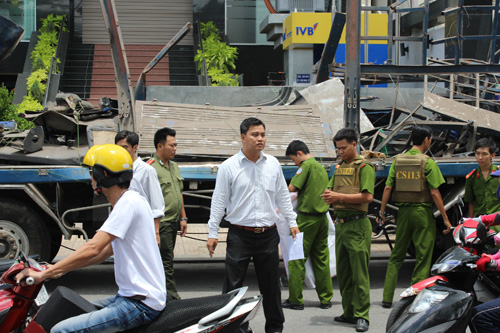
8	111
220	58
41	57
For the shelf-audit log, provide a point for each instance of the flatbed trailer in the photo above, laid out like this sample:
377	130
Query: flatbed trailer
41	204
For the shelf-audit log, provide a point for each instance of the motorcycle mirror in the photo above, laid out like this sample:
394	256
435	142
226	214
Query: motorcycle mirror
496	221
462	236
460	204
481	231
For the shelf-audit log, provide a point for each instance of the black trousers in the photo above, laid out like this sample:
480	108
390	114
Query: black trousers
242	245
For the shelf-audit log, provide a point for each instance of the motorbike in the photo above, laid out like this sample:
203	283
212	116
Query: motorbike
443	302
220	313
19	304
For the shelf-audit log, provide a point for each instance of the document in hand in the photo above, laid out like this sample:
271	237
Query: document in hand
295	246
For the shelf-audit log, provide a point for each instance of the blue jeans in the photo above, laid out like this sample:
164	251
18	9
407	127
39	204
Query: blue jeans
116	314
486	317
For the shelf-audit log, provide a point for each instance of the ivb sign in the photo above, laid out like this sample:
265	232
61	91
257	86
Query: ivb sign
306	30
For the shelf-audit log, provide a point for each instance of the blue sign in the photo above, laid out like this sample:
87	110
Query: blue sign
303	78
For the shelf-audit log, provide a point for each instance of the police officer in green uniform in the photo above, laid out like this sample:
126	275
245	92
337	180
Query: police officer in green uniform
310	181
480	187
415	179
350	191
175	216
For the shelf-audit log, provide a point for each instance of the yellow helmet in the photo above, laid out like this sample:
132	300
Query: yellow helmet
113	159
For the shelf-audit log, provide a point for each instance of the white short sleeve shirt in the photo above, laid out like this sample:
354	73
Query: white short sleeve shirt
138	265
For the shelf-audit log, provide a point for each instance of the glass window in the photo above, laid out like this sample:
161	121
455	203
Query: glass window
22	12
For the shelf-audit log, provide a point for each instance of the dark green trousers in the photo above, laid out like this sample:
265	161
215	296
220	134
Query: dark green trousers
353	245
168	235
315	229
414	224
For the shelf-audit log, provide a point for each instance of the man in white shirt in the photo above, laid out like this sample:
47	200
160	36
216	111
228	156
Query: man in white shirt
129	235
249	186
145	180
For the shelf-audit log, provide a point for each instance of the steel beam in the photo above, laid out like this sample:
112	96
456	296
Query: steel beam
428	70
330	47
120	64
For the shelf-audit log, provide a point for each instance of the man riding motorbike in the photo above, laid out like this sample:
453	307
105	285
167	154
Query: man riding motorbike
486	316
129	235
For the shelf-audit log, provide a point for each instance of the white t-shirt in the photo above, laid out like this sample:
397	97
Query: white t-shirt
138	265
145	181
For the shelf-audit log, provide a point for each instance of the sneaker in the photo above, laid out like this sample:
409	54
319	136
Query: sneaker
342	319
361	325
325	305
387	305
289	305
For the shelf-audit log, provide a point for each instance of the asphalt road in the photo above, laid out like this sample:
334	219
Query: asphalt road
203	279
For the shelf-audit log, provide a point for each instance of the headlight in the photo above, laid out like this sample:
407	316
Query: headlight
446	266
427	298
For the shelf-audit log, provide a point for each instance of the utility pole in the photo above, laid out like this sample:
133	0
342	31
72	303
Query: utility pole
352	66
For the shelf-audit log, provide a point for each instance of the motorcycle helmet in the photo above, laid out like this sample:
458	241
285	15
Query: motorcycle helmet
111	159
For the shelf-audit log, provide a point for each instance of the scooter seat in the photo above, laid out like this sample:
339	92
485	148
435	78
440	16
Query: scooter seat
181	314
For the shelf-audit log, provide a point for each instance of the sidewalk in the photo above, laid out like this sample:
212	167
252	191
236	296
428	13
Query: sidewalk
193	247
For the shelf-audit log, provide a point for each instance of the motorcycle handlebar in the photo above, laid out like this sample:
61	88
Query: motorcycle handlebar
30	281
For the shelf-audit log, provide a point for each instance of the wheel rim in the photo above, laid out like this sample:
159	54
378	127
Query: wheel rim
13	240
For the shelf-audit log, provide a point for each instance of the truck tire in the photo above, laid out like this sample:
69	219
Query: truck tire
398	309
22	229
55	243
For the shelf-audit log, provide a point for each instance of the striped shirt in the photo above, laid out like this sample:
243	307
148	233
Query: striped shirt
250	192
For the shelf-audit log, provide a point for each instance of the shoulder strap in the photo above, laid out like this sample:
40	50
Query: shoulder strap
470	174
151	161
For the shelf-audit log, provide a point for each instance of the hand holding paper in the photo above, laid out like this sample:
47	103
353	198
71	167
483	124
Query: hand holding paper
295	247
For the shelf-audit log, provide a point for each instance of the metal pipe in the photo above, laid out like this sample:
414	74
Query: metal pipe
67	226
477	90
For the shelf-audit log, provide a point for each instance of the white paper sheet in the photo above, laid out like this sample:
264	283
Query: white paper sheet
296	246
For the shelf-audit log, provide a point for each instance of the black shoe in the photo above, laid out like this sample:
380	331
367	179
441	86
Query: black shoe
387	305
289	305
342	319
325	305
361	325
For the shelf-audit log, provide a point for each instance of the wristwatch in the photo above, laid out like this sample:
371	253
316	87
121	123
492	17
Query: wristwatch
381	214
184	219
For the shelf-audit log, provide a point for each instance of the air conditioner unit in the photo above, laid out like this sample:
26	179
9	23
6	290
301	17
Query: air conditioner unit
288	6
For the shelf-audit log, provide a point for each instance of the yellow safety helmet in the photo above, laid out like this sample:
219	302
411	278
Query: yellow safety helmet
113	159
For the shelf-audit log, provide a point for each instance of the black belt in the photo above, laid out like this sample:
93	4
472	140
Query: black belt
256	230
310	214
137	297
350	218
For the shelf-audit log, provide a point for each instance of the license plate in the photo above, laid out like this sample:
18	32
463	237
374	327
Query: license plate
42	297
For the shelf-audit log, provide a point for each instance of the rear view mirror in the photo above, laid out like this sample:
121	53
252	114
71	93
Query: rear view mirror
481	231
460	205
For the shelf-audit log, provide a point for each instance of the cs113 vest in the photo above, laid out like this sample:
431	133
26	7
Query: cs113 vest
347	181
411	184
